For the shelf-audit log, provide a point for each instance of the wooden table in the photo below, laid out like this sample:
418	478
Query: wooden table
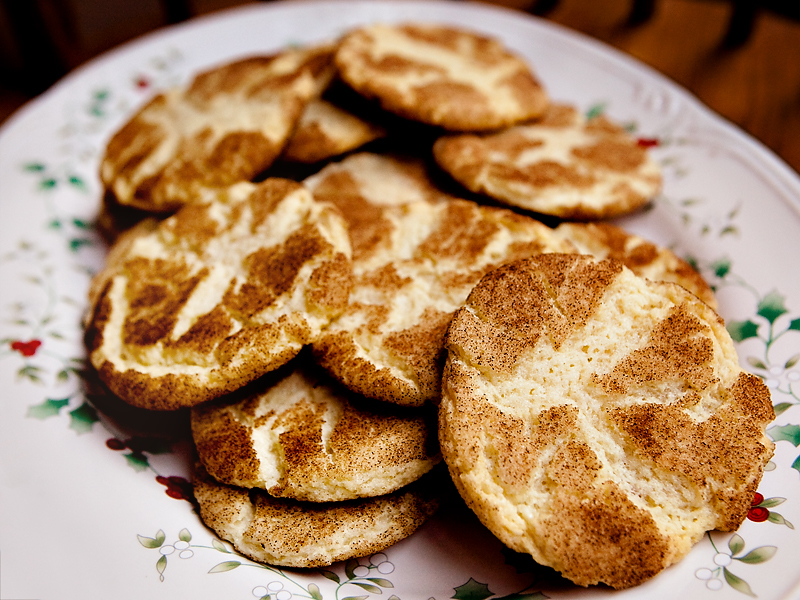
755	85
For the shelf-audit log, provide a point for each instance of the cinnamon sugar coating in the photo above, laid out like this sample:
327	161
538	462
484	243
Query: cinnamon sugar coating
599	421
218	294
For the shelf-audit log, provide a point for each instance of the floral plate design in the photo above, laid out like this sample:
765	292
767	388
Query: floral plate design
94	493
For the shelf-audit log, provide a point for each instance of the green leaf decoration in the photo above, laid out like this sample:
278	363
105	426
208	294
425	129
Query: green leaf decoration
222	567
34	167
330	575
786	433
792	361
736	544
356	598
772	502
48	408
48	183
782	407
795	324
373	589
184	535
779	519
161	566
77	182
796	464
350	568
721	267
729	230
759	555
219	546
30	372
76	244
596	110
754	362
82	418
742	330
54	224
152	542
137	461
63	375
472	590
772	307
381	582
313	589
740	585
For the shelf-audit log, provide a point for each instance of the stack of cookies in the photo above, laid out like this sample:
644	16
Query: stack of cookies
336	258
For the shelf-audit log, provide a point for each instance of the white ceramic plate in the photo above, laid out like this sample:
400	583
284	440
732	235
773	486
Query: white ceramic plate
84	511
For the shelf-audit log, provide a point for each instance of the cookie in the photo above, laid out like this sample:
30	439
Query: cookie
451	78
565	165
326	131
367	179
599	421
218	294
301	436
644	258
414	265
229	124
288	533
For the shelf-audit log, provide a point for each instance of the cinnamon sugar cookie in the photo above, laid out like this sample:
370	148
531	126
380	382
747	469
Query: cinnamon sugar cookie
564	165
644	258
298	435
227	125
443	76
414	264
325	131
218	294
288	533
598	421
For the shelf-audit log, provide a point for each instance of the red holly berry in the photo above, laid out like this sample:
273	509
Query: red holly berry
647	142
26	348
177	487
759	514
142	82
115	444
757	499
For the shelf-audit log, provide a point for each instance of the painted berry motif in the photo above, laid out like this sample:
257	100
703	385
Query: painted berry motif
717	576
26	349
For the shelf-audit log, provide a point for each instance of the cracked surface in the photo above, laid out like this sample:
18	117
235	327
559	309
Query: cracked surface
288	533
598	421
302	436
452	78
218	294
563	165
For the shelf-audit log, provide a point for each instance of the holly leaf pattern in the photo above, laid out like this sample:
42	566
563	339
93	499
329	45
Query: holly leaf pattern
772	307
48	408
795	324
472	590
742	330
787	433
721	267
82	418
137	461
